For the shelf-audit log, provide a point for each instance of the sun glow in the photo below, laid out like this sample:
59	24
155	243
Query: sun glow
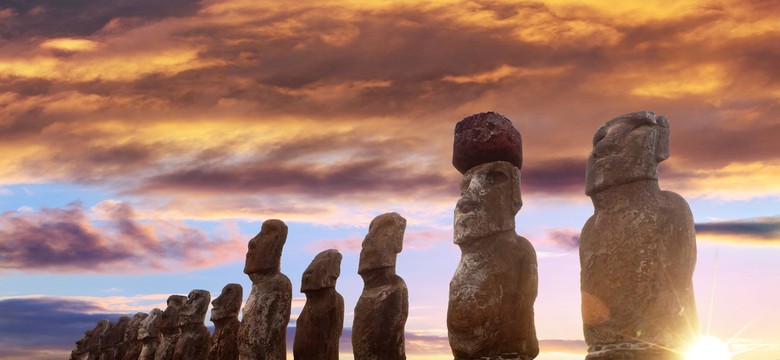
708	348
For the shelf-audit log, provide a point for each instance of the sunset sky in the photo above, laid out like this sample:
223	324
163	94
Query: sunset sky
143	143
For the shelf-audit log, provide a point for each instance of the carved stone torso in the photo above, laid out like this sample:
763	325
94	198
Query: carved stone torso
319	326
637	255
380	317
263	330
224	341
491	299
194	343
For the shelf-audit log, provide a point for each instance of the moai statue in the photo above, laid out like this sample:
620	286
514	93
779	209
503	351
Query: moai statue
490	314
638	250
149	334
382	309
319	326
81	351
111	344
194	340
92	343
263	331
169	327
131	346
224	315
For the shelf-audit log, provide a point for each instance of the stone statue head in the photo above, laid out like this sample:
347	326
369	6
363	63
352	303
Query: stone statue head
384	240
228	303
170	317
150	326
490	199
194	309
265	249
135	325
81	344
323	271
626	149
93	341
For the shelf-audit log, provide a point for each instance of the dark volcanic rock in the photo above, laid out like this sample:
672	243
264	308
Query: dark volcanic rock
319	326
224	315
382	309
638	250
263	331
195	340
169	327
483	138
150	335
492	293
131	345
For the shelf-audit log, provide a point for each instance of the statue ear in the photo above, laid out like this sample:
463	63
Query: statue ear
662	139
517	198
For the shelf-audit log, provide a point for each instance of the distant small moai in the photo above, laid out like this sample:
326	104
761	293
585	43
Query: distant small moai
169	327
382	309
92	342
150	335
88	346
492	293
319	326
224	315
263	331
131	345
638	250
194	340
110	345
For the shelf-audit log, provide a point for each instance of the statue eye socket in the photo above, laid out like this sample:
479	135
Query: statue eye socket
496	177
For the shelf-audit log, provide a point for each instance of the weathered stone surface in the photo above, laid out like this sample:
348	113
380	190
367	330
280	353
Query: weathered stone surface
319	326
88	343
93	341
492	293
150	335
263	330
131	345
111	342
382	309
194	340
483	138
224	315
638	250
169	327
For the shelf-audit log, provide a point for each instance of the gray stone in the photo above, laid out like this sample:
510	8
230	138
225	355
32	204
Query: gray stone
638	250
492	293
262	335
224	315
150	335
169	327
320	323
194	340
383	306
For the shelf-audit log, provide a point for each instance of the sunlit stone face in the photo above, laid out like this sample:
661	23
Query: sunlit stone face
382	243
490	198
627	149
228	303
265	249
194	309
323	271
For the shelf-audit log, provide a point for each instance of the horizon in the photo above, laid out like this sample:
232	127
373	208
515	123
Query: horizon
144	143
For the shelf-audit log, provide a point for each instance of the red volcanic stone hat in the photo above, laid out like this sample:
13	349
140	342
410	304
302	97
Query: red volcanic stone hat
483	138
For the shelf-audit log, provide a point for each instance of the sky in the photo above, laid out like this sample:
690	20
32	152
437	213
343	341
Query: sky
143	143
